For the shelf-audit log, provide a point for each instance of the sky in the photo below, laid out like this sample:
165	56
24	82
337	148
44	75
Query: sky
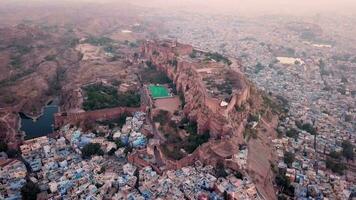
258	6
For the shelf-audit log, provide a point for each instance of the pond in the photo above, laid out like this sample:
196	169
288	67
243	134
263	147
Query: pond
42	125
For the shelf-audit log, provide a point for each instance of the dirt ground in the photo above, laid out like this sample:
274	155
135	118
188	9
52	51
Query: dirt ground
259	157
168	104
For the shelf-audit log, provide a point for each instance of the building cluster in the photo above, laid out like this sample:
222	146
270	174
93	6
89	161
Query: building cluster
12	177
318	83
59	169
308	172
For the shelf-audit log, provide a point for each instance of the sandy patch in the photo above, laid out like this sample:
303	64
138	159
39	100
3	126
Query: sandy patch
169	104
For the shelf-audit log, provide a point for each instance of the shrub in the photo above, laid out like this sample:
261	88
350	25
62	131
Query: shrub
348	150
335	167
289	158
92	149
29	191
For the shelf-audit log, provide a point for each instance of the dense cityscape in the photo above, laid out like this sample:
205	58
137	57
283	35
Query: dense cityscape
124	100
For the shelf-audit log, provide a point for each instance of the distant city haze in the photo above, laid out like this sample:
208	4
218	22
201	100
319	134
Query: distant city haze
259	6
243	7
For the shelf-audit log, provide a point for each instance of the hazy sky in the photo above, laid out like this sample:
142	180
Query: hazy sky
259	6
231	6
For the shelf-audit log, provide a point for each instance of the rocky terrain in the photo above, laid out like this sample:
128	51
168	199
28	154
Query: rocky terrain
228	122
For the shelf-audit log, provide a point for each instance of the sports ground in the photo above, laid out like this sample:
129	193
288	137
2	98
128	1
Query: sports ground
158	91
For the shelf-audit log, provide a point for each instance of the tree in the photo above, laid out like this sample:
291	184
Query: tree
12	153
3	146
292	133
289	158
335	155
348	150
335	167
220	170
92	149
29	191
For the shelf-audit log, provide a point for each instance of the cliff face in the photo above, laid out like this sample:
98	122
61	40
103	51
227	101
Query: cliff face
200	105
225	118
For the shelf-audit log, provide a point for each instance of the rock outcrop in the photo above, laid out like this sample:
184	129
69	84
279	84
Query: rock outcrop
200	105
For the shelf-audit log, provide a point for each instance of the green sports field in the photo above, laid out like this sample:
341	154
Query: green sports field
158	91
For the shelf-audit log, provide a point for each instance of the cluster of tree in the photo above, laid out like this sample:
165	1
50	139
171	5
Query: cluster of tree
348	150
117	122
172	151
335	166
99	41
189	144
220	170
193	54
195	140
92	149
161	117
11	153
30	190
289	158
218	58
292	133
152	75
259	67
283	182
101	96
249	133
322	69
277	107
308	127
253	117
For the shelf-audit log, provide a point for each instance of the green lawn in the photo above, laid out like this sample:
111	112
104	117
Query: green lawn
158	91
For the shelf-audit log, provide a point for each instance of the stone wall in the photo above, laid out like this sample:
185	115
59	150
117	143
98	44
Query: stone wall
61	119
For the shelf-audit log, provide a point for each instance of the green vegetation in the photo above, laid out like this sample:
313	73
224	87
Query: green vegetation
172	152
29	191
220	170
278	107
195	140
9	98
249	132
3	146
16	62
284	184
99	41
292	133
152	75
348	150
13	153
193	54
174	142
218	58
50	57
323	71
306	127
259	67
336	167
117	122
100	96
162	117
253	117
92	149
289	158
335	155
